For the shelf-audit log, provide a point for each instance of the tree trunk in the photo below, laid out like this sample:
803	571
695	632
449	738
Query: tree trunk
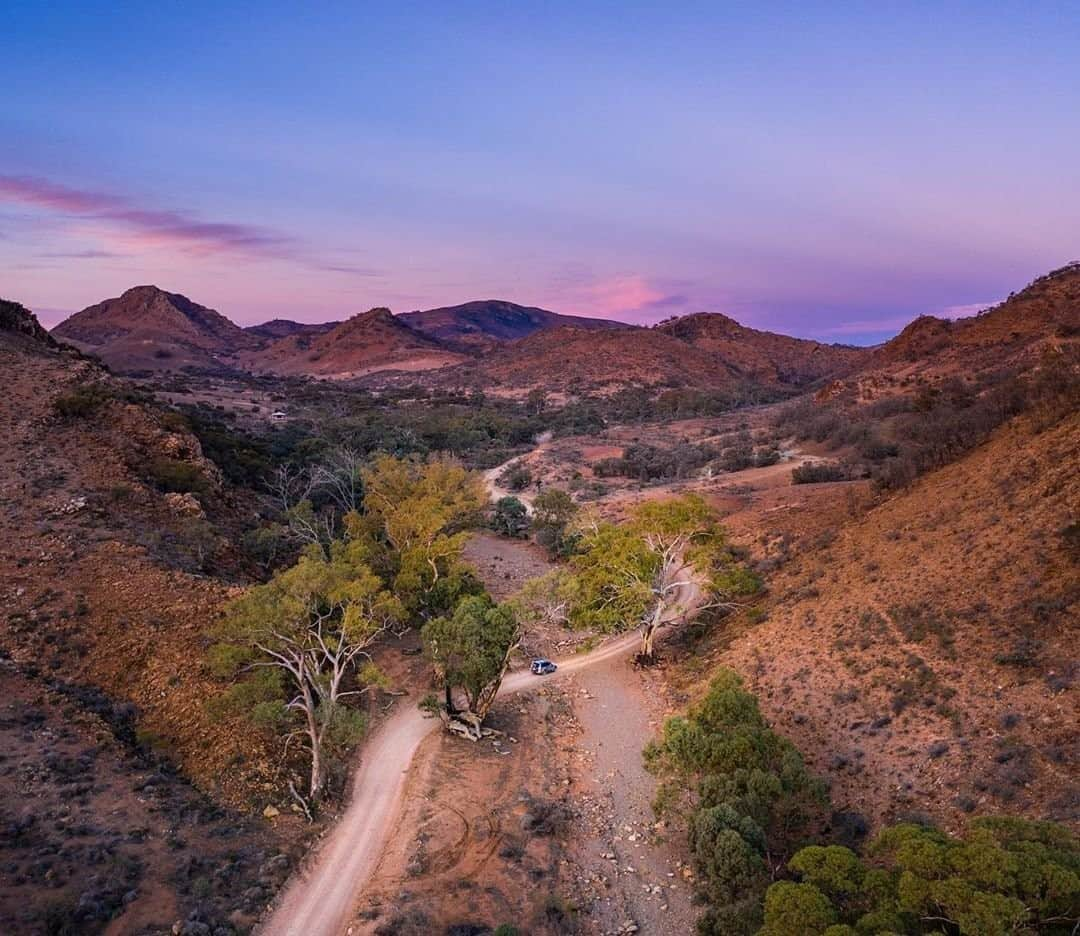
486	697
315	786
317	778
449	701
648	633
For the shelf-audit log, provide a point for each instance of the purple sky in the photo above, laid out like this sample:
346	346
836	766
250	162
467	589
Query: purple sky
818	172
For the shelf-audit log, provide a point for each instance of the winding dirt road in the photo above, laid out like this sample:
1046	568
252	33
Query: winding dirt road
319	900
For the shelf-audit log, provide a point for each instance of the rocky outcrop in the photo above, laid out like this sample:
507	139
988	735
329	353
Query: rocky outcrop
20	320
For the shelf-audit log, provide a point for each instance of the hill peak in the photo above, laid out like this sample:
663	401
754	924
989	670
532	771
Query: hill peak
147	327
19	320
482	322
377	314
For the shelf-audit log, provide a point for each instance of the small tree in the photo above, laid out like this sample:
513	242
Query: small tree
553	512
670	558
471	650
296	642
537	400
517	477
510	518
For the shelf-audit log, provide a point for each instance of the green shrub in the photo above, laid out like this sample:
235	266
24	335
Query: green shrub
517	477
1005	876
746	793
81	402
811	473
173	475
510	518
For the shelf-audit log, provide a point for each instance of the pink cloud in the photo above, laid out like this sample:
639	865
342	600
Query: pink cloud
622	294
45	194
145	227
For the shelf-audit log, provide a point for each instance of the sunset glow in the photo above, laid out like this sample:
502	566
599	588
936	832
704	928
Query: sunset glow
822	174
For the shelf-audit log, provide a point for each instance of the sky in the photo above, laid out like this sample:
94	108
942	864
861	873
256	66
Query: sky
827	170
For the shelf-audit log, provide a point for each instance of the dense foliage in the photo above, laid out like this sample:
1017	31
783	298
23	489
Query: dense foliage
750	804
413	529
646	571
745	793
1004	876
553	512
294	643
294	646
510	518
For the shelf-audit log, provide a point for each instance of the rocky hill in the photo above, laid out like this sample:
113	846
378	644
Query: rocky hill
149	329
284	328
920	648
481	322
701	351
764	356
575	360
16	321
1044	315
372	341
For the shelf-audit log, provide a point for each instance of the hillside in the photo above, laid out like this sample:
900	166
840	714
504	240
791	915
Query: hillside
478	323
283	328
106	609
575	360
372	341
149	329
1044	315
764	356
703	351
922	653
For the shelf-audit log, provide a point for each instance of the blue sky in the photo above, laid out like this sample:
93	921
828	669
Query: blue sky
828	170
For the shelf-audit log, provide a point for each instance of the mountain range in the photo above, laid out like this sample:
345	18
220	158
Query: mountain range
488	341
512	348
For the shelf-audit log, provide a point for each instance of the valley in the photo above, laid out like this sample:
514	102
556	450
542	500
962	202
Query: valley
879	544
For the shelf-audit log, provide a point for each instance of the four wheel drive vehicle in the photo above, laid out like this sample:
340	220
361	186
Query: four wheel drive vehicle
543	667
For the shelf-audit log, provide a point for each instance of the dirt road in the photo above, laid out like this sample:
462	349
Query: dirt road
319	900
497	491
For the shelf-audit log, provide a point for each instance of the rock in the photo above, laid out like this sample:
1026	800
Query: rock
271	811
72	506
184	505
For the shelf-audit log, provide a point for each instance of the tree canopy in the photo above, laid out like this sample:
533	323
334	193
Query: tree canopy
1006	875
413	528
671	556
471	650
745	793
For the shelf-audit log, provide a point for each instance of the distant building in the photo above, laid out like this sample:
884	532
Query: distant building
278	415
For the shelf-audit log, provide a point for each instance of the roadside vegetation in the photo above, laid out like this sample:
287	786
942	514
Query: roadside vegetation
298	647
754	817
668	561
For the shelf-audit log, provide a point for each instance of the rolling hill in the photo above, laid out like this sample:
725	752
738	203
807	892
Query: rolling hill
148	328
760	355
705	351
487	320
1043	314
372	341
